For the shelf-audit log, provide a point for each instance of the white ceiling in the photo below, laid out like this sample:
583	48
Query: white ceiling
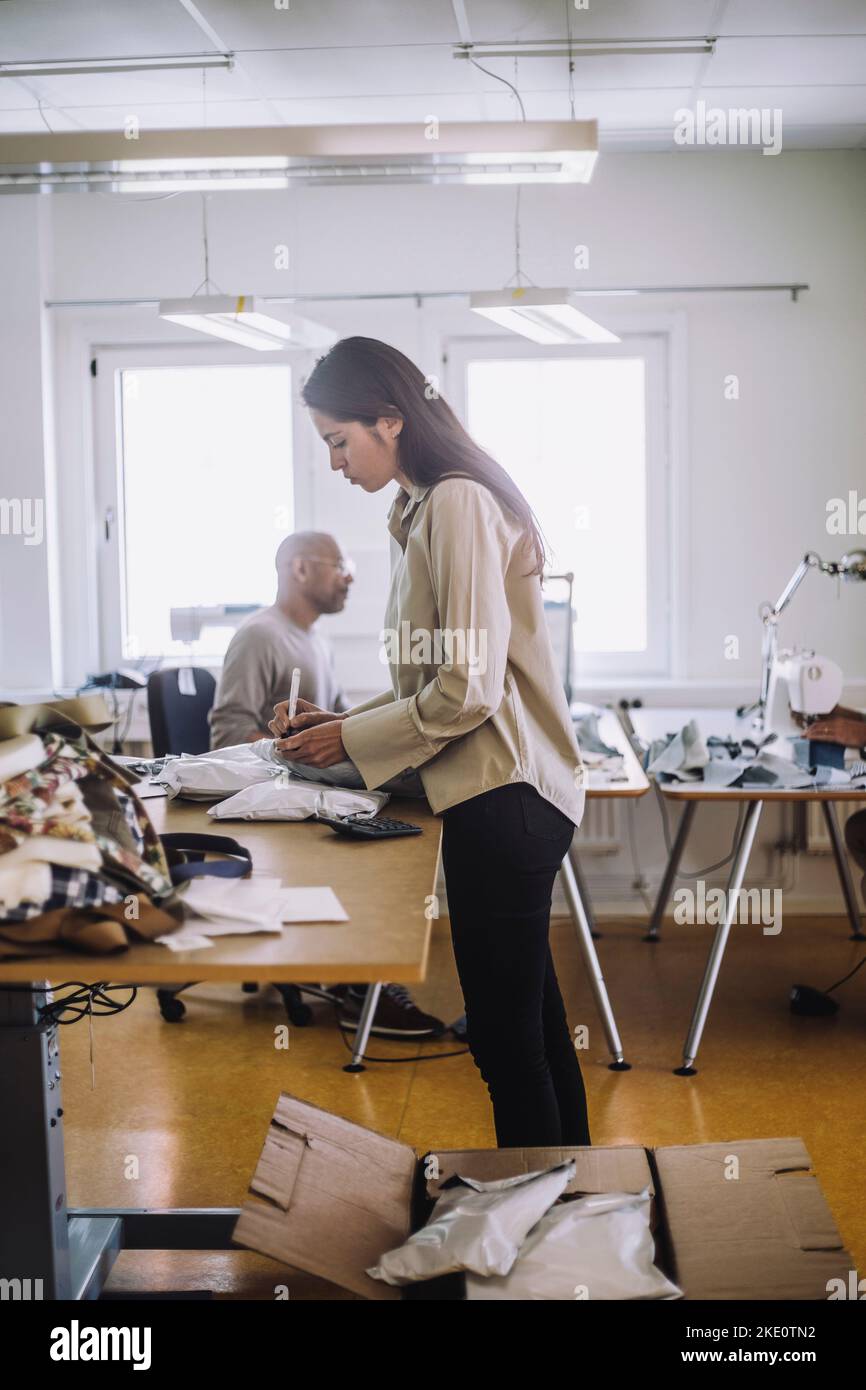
329	61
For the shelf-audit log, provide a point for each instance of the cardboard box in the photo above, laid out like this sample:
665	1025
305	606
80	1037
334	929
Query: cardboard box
744	1219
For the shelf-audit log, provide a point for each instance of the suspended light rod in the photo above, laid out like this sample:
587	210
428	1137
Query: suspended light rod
794	290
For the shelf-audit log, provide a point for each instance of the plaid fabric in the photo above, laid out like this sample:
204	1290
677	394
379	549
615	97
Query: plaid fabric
69	888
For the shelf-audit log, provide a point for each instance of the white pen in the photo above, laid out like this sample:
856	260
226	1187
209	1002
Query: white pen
293	696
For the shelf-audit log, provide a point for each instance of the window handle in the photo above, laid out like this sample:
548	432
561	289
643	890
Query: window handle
109	522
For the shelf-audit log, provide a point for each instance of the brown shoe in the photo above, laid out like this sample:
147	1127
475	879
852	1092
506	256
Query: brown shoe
397	1015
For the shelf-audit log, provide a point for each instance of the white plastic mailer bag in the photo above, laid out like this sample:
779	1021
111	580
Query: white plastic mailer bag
205	776
284	798
596	1247
476	1226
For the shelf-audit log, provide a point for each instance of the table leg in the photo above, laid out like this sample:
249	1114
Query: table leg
843	869
673	864
714	962
365	1023
580	917
34	1243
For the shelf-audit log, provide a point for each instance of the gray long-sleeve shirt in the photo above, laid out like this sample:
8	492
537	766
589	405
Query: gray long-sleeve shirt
257	672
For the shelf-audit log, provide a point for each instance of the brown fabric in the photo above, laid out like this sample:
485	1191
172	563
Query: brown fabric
96	931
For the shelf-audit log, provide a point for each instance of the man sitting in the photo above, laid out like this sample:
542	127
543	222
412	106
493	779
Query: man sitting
312	578
848	727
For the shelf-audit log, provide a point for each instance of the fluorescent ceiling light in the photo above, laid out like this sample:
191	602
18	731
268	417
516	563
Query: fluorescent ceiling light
468	152
586	48
62	67
239	319
545	316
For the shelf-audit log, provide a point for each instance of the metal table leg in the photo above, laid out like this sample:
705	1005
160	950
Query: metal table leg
365	1023
673	864
843	869
717	950
580	917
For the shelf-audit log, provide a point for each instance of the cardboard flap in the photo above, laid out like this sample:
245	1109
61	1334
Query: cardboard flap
85	712
747	1219
332	1197
623	1168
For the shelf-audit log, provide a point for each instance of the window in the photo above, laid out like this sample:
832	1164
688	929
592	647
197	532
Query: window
580	432
203	489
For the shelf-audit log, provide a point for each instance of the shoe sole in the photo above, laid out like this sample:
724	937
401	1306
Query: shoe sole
351	1026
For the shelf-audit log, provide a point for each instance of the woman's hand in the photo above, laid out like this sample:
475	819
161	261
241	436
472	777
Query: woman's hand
320	745
306	714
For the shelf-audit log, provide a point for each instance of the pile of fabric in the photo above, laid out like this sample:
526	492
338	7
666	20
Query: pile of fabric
81	865
726	762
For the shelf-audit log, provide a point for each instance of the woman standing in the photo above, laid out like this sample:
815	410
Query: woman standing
476	706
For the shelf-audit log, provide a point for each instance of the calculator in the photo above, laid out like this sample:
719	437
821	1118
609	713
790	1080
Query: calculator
362	828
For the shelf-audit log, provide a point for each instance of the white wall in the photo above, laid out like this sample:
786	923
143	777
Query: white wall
757	472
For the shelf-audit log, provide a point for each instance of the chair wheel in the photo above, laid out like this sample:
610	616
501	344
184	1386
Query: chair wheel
299	1013
171	1008
249	988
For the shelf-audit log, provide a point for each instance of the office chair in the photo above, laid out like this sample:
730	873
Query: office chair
179	700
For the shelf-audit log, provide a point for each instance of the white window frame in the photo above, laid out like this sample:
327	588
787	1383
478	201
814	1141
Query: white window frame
108	453
660	342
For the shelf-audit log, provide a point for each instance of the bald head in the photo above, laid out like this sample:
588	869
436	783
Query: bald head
310	573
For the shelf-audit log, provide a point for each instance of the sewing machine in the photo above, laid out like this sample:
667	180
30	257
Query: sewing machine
803	687
797	681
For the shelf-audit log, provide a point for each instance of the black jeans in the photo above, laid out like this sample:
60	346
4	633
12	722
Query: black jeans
500	853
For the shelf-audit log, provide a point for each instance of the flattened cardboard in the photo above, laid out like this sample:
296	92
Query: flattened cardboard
758	1229
330	1197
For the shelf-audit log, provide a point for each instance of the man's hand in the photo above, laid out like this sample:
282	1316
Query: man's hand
849	729
320	745
306	714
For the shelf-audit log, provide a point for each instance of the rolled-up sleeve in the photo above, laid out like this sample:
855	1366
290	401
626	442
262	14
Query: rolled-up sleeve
469	551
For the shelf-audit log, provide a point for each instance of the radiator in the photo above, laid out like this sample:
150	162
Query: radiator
817	838
599	831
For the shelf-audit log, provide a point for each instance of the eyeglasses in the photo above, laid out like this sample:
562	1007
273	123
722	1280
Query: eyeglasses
346	566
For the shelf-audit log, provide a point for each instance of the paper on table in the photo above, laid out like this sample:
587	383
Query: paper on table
184	940
248	902
311	905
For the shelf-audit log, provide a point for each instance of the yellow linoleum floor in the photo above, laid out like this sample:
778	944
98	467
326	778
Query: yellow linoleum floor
188	1105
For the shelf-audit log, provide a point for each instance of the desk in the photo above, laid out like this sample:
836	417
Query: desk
385	891
634	783
651	724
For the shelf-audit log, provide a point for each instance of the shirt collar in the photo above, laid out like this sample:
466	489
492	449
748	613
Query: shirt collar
405	502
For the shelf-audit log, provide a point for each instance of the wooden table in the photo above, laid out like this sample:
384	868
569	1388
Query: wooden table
655	723
387	889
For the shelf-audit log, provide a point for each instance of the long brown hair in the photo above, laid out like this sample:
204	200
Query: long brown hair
364	379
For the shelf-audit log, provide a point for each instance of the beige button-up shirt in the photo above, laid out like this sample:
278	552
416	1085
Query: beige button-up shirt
476	700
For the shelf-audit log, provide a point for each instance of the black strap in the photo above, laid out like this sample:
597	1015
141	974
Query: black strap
194	846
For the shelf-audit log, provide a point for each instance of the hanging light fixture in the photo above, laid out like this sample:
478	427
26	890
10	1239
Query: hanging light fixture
238	317
545	316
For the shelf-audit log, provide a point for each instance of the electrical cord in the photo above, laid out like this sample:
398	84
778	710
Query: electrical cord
847	977
697	873
80	1003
